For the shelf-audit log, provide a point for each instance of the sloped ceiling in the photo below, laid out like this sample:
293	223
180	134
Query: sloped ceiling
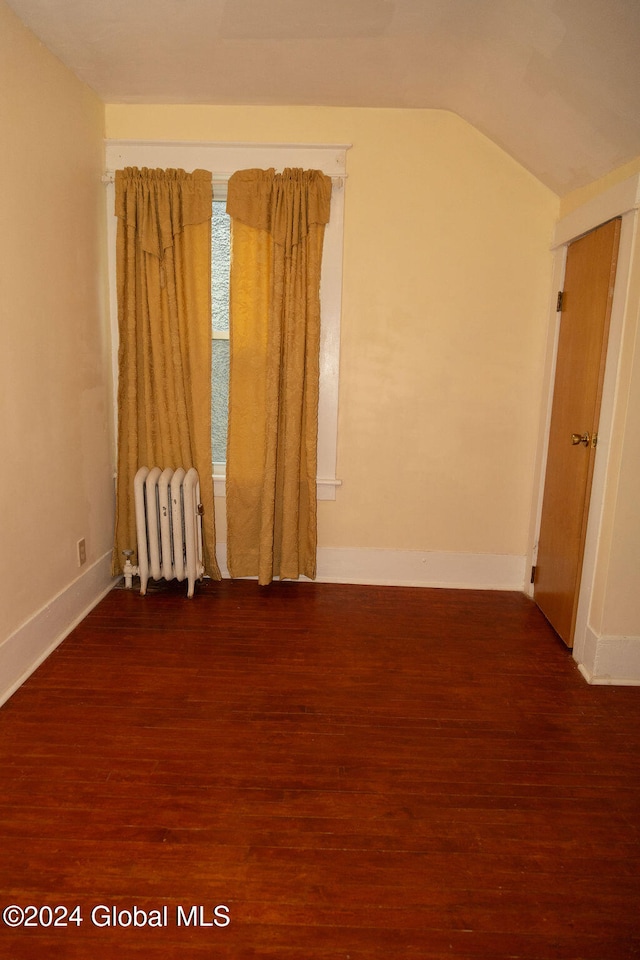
556	83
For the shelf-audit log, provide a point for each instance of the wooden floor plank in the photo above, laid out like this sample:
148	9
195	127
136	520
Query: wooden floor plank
356	772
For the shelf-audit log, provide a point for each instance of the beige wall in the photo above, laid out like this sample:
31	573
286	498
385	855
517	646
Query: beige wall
55	483
620	614
447	271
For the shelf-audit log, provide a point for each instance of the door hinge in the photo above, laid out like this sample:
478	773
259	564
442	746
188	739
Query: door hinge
533	574
559	301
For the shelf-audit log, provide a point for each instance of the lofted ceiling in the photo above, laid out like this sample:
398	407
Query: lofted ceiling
556	83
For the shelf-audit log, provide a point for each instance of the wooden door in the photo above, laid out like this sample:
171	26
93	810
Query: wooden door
582	347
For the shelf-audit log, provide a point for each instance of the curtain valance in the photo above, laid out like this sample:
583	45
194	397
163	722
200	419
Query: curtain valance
158	204
284	204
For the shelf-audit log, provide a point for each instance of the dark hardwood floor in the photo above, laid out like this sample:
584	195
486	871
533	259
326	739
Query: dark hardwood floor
356	773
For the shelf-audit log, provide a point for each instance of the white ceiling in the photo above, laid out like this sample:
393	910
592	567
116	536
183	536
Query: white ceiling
556	83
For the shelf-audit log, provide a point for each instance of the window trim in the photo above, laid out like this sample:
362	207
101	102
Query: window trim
223	159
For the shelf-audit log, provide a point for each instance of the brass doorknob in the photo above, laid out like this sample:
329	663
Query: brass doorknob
577	438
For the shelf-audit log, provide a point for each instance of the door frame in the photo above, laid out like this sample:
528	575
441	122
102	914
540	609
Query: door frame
621	200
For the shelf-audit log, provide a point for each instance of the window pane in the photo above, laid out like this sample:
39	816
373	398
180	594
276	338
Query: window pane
219	399
220	260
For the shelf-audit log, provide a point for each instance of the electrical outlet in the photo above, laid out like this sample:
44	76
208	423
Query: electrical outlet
82	552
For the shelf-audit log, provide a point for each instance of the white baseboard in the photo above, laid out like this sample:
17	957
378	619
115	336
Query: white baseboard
610	660
413	568
25	649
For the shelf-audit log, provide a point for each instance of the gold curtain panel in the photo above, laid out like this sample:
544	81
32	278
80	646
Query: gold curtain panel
278	232
164	317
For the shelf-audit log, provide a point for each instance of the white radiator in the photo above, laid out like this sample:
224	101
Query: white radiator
168	526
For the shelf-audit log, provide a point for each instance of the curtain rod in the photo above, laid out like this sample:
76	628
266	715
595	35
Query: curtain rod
220	178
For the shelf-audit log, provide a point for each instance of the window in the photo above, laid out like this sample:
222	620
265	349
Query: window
223	159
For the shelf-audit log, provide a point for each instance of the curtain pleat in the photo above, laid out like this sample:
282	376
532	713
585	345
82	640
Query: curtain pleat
164	318
278	231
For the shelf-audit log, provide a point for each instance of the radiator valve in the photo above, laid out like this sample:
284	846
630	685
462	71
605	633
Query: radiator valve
129	570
